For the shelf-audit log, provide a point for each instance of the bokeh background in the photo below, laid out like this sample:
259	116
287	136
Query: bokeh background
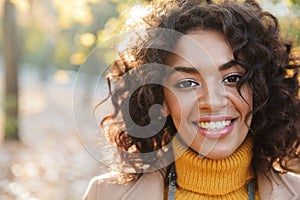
42	46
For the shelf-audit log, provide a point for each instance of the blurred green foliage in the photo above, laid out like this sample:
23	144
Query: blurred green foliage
11	118
296	2
60	34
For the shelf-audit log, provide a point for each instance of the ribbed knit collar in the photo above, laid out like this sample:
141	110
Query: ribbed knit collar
213	177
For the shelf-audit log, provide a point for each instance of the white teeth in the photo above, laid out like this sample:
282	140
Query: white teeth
214	125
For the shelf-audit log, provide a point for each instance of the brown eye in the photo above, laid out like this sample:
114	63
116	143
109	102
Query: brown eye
232	79
187	84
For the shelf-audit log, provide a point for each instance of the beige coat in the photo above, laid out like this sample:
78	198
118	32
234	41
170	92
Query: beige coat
150	186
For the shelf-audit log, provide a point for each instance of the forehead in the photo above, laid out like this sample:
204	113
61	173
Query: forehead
201	48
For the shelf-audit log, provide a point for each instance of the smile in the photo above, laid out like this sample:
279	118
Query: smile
216	129
218	125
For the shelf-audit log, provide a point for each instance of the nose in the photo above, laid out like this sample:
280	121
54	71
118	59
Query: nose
212	98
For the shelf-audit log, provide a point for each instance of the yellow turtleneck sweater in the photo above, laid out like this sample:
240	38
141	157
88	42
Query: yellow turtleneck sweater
204	178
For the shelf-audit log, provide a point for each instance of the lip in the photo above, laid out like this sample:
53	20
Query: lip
215	134
215	118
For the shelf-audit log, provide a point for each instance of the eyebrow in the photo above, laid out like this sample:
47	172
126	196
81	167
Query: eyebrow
227	65
193	70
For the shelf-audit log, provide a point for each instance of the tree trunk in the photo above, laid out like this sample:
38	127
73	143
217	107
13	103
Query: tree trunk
10	52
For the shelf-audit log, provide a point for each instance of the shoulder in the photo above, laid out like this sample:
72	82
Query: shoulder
279	186
149	185
99	183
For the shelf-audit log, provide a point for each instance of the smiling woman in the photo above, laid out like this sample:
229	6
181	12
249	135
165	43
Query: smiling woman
228	122
217	113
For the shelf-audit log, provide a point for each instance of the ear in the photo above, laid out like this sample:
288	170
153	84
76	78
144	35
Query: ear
165	110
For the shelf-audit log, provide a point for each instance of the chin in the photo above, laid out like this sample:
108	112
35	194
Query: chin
219	154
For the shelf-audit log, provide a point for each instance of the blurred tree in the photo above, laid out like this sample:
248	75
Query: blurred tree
288	13
11	71
296	1
60	34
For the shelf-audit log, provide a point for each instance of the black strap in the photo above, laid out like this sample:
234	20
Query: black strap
172	183
251	190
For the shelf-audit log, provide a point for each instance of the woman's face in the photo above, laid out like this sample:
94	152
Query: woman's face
201	96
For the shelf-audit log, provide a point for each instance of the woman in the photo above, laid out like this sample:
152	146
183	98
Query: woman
228	89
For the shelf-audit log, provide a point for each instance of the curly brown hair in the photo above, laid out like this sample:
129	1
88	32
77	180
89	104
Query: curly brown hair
255	38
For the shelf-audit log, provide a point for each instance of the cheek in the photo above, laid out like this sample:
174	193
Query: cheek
179	106
243	104
172	104
247	98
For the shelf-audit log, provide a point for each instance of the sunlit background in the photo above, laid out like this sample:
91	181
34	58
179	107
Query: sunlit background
43	44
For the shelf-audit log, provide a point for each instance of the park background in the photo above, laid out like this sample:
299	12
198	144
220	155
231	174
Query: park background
43	44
